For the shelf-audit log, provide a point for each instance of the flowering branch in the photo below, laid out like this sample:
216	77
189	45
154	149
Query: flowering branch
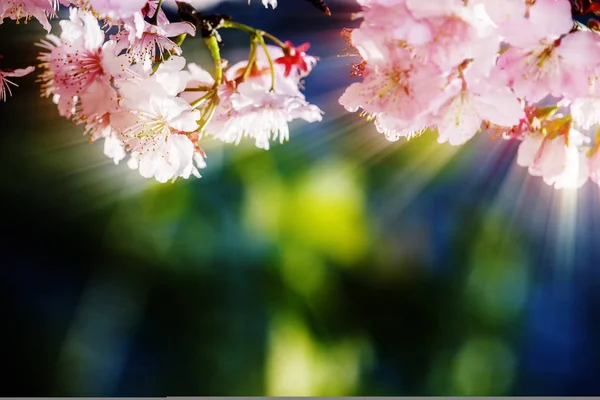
135	91
519	69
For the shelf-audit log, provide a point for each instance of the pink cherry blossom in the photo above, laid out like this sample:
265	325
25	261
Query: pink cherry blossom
462	117
27	9
78	60
586	112
559	161
117	9
525	24
258	113
458	31
560	68
175	156
407	72
463	67
251	109
518	69
396	85
153	125
152	42
114	149
393	20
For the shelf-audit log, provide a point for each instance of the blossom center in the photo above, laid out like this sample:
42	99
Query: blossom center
77	71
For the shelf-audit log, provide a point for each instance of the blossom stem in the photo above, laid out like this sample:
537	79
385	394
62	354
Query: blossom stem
154	19
237	25
208	112
207	115
213	46
596	145
269	59
199	89
274	39
259	35
251	57
558	127
179	39
544	113
199	101
251	30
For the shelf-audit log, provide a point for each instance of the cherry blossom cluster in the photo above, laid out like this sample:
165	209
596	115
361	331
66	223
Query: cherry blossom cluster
117	69
523	70
519	69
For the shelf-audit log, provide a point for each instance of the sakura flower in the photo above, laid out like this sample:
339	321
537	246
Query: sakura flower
393	84
525	24
251	109
561	67
114	149
117	9
176	157
575	174
5	83
457	31
153	125
150	10
26	9
394	128
133	22
558	160
463	115
392	20
152	42
410	53
295	59
260	114
586	111
76	62
98	126
81	36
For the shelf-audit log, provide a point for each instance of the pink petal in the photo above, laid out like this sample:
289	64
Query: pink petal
17	73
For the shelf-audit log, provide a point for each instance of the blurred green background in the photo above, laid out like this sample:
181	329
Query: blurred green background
336	264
